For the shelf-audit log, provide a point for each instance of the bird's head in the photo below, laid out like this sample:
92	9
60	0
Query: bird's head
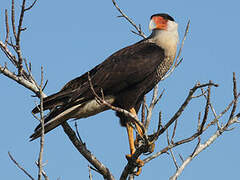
164	33
162	22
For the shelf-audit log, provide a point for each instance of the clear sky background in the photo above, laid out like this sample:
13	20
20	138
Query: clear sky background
69	38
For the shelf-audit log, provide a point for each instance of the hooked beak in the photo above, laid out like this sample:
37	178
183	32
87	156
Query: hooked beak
152	25
158	23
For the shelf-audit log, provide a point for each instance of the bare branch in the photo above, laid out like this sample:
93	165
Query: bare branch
43	172
180	156
235	96
153	102
201	147
86	153
206	108
78	134
40	170
182	44
171	152
7	27
221	114
19	166
143	114
197	96
18	49
13	20
20	80
31	6
174	130
184	105
9	55
90	174
139	30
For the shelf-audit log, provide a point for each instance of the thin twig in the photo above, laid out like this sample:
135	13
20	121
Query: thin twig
18	49
43	172
42	129
143	112
78	134
171	152
9	55
235	96
174	130
212	108
86	153
20	80
180	156
199	148
19	166
206	108
151	107
182	44
13	20
90	173
139	30
222	113
199	121
7	27
184	105
31	6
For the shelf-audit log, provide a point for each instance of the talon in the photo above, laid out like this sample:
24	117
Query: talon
139	163
139	170
137	142
128	157
151	147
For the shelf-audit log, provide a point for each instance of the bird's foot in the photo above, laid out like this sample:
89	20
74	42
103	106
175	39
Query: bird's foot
149	148
139	164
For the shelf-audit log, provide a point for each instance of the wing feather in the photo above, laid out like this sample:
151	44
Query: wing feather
122	70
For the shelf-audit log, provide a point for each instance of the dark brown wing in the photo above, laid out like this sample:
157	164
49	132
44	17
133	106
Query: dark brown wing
121	70
128	68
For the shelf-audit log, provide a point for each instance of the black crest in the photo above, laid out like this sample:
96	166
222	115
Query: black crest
165	16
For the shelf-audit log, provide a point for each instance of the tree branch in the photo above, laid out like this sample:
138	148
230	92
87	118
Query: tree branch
19	166
86	153
138	29
201	147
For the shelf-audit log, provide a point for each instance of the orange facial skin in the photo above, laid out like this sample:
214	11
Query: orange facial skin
160	22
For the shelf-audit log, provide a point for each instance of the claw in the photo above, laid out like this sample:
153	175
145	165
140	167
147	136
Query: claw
139	163
151	147
138	172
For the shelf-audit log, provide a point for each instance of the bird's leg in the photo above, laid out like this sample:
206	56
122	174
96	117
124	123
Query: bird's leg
130	139
131	143
140	133
139	129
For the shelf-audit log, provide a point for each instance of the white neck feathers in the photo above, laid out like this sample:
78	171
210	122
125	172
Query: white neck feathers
166	39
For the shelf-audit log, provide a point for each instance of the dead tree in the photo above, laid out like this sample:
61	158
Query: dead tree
11	47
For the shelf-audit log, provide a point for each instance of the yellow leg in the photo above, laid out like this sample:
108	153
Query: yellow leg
130	138
131	142
132	110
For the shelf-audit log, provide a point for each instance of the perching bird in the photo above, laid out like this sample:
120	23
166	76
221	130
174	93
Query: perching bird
124	77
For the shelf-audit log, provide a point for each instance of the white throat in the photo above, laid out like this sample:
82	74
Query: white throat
167	39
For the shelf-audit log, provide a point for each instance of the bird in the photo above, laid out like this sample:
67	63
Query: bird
124	78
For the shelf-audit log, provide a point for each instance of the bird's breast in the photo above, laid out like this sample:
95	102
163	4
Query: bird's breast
164	67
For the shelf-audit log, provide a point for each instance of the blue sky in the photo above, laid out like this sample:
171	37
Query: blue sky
70	38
